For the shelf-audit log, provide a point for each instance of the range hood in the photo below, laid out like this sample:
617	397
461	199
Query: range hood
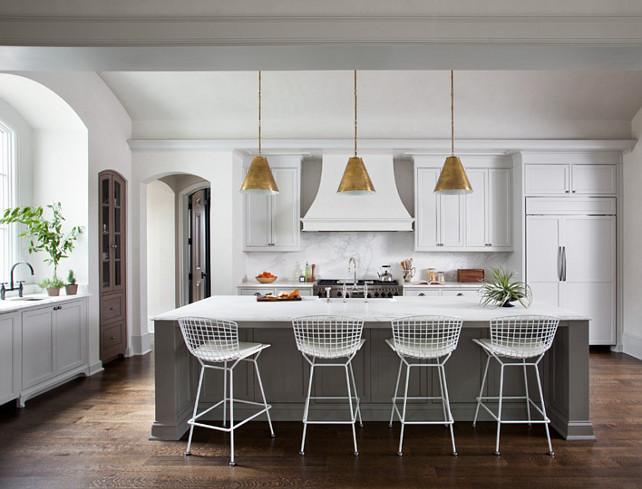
381	211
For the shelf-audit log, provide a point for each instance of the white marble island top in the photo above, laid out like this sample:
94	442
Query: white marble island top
246	309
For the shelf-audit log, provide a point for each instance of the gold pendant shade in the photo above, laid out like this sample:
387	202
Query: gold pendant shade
453	179
355	180
259	178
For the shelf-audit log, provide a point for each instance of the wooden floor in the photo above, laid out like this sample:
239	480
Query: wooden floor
94	433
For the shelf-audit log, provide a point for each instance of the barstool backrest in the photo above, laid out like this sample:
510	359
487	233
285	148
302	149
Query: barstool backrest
523	336
426	336
210	340
327	336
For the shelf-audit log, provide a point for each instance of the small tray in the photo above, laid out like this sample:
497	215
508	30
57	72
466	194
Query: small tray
262	298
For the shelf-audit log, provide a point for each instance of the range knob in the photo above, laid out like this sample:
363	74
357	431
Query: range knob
389	294
339	294
320	294
376	294
369	295
347	295
396	293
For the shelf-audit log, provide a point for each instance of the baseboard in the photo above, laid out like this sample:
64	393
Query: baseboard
632	345
140	345
96	368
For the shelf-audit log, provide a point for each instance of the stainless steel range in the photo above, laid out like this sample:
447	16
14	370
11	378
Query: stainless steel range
373	289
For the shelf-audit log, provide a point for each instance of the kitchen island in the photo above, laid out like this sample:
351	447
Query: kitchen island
565	370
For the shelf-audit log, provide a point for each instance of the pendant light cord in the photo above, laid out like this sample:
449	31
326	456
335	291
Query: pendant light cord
355	112
259	112
452	113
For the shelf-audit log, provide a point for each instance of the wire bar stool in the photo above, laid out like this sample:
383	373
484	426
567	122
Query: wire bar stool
425	342
330	341
514	340
216	346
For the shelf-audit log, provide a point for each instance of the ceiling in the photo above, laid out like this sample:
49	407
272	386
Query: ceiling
392	104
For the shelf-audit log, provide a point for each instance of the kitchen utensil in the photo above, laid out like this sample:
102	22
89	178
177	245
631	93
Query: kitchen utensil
385	275
408	274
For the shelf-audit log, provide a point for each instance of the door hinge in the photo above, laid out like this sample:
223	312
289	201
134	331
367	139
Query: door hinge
189	276
189	241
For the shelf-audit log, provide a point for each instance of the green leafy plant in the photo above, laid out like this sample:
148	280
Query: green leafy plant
71	279
51	283
44	235
503	289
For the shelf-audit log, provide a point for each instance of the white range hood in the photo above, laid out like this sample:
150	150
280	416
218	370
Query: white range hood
381	211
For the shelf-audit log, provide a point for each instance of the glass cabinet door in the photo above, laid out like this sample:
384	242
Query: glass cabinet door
112	232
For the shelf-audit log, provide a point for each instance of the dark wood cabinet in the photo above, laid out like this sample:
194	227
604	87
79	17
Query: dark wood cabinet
113	263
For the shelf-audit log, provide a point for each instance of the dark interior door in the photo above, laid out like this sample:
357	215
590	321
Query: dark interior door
199	244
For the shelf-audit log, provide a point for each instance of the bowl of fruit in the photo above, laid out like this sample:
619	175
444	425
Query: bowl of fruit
266	278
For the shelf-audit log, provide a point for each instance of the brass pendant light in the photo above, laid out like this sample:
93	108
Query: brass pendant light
355	180
259	178
453	179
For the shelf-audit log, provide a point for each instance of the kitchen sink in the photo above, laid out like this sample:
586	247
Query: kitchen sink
28	298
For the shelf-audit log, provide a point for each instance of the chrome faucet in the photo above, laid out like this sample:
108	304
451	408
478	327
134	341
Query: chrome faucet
4	289
352	266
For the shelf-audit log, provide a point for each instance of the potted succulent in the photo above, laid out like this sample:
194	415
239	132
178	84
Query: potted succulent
72	287
53	285
45	235
503	289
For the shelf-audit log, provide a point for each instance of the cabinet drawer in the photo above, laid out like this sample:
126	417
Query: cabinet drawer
111	308
112	335
422	292
461	293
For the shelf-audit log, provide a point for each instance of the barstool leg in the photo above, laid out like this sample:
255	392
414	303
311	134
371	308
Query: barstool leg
450	419
443	401
198	397
528	399
232	462
481	390
541	397
352	413
225	394
306	410
403	414
394	397
499	412
356	396
267	411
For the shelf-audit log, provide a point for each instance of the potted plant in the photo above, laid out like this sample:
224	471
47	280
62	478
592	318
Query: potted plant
45	235
53	285
72	287
503	289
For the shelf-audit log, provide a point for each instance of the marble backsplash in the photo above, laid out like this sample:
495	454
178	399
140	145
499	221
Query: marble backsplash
330	253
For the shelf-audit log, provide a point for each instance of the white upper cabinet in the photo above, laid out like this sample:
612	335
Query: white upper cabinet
480	221
272	221
570	179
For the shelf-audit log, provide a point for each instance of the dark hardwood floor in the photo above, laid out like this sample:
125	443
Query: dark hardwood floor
94	433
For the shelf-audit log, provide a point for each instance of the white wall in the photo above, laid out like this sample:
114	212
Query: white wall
161	252
632	237
108	129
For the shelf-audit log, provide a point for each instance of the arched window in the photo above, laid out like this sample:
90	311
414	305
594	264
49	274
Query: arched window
7	198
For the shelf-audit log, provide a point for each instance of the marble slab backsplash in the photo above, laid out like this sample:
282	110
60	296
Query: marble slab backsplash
330	253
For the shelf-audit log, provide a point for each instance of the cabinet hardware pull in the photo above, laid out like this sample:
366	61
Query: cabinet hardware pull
421	294
112	308
460	294
567	191
112	338
573	191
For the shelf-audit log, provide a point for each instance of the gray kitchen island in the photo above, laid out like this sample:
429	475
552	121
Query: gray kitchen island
565	369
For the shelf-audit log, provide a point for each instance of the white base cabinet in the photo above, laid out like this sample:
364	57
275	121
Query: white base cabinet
41	348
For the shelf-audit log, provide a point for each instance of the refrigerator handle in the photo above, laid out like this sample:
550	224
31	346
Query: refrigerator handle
564	263
559	263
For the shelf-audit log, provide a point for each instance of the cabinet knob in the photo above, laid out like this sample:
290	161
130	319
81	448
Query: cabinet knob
567	191
460	294
573	191
112	308
112	338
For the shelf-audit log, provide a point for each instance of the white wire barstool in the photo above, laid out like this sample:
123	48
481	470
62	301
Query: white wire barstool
514	340
214	342
424	341
322	340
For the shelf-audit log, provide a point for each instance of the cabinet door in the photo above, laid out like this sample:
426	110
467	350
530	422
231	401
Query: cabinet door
70	337
589	282
500	204
426	209
451	221
547	179
594	179
285	209
477	209
258	225
543	257
37	346
9	357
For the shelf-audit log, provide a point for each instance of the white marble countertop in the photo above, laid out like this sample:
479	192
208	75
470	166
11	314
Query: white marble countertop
293	284
12	304
454	285
246	309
